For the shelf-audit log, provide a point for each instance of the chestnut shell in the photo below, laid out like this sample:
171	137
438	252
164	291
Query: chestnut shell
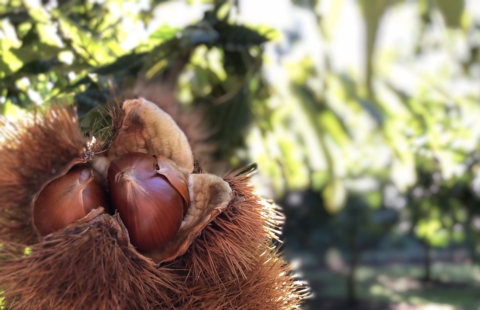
150	206
67	199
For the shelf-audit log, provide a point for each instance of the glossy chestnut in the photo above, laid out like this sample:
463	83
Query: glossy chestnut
67	199
151	196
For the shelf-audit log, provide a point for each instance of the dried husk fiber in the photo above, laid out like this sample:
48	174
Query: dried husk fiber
233	263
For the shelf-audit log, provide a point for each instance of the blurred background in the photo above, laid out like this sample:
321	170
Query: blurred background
362	115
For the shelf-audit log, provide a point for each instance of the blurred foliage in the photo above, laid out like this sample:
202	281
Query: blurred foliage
456	286
369	105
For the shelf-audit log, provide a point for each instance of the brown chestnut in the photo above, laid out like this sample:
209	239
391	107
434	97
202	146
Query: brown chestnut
67	199
151	195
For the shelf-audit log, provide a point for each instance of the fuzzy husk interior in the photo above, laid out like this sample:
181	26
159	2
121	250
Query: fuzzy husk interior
232	264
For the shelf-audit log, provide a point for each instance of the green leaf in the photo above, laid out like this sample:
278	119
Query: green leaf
431	231
163	33
95	119
9	62
238	38
122	64
91	49
11	111
373	11
48	35
335	196
452	11
36	51
332	125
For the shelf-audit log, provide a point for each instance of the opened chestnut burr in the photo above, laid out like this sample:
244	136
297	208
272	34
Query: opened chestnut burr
151	196
225	242
67	199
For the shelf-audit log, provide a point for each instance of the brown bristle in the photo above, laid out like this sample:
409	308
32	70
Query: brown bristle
231	265
32	152
89	265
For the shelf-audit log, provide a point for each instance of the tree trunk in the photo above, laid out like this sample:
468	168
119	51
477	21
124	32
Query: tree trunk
355	251
427	262
471	239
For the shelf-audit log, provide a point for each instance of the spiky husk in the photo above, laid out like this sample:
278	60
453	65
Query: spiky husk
32	152
233	263
91	264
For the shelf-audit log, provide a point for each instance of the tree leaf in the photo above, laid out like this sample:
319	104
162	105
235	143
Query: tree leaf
452	11
335	196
